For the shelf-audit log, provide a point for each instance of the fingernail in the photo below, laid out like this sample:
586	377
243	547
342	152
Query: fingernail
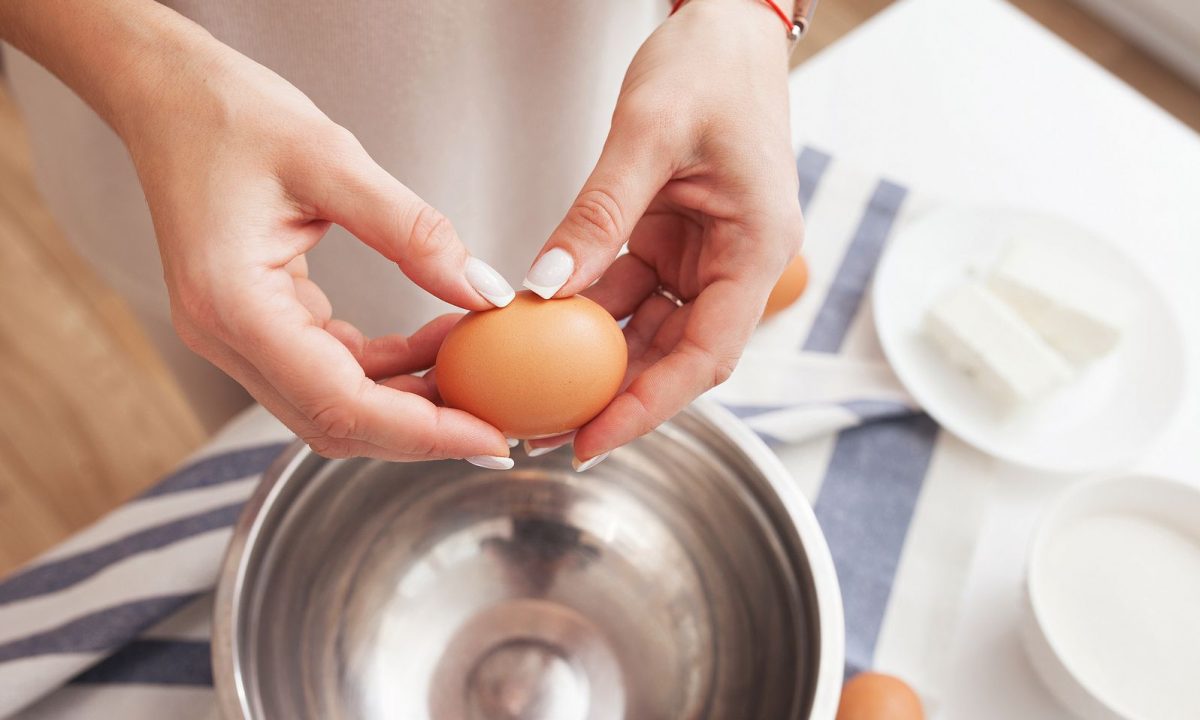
489	283
550	273
532	451
491	462
513	442
584	465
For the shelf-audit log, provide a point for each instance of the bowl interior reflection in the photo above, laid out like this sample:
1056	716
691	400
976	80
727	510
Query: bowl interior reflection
665	583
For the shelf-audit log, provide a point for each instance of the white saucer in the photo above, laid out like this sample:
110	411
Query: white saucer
1107	416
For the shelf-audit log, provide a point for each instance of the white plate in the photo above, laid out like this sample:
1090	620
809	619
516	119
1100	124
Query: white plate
1108	415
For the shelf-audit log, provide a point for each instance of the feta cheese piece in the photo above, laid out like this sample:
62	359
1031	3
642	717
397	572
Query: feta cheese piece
979	333
1078	310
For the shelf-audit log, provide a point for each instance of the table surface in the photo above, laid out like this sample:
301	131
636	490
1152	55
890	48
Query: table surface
973	102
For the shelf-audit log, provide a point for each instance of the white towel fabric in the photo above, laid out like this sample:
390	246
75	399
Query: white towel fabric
114	622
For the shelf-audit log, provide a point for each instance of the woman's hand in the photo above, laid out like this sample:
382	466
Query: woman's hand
698	176
244	175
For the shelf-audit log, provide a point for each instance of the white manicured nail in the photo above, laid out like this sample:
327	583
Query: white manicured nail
491	462
489	283
582	465
513	442
550	273
532	451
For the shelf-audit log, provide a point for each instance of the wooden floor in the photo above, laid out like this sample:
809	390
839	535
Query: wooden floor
89	415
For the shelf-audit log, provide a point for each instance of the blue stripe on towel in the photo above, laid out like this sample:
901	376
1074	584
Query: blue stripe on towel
845	294
60	574
865	506
222	468
811	165
153	662
749	411
876	471
100	631
868	410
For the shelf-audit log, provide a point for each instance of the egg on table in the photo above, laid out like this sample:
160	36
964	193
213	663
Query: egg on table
535	367
789	287
875	696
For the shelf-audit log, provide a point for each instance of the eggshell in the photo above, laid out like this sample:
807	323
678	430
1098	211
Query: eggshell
789	287
534	368
875	696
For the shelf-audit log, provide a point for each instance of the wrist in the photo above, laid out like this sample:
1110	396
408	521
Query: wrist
122	57
756	18
169	79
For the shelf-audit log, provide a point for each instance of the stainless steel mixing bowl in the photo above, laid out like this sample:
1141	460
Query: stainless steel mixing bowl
684	577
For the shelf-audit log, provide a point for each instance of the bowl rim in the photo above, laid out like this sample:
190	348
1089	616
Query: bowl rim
228	676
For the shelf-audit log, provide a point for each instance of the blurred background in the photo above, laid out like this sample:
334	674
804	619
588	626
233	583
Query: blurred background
89	415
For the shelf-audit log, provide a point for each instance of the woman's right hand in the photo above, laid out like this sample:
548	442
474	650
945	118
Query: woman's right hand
243	175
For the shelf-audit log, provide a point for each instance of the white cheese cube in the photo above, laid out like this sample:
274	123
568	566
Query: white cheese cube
1078	310
982	335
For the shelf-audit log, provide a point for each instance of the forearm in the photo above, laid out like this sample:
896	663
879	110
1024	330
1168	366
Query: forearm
120	56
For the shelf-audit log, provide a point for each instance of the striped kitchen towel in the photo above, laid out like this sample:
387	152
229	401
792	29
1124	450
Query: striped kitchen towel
114	622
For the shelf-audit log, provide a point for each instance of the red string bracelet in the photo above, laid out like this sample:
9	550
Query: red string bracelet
793	28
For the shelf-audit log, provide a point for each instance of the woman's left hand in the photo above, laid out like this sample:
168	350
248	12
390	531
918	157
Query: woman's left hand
697	175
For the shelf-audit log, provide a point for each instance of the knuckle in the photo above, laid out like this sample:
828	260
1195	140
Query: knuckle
429	428
723	368
188	334
431	233
193	315
327	447
340	139
189	307
720	364
598	215
659	345
787	225
335	421
793	235
427	443
797	238
646	418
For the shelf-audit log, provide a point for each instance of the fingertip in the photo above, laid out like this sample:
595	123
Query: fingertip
488	282
606	431
541	446
490	462
550	272
461	434
464	296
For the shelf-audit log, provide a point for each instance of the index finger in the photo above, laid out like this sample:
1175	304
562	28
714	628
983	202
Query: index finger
353	191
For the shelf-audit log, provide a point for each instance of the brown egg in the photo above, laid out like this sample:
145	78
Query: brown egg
789	287
875	696
534	368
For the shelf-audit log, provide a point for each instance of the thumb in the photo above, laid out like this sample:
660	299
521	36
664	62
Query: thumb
358	194
627	177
